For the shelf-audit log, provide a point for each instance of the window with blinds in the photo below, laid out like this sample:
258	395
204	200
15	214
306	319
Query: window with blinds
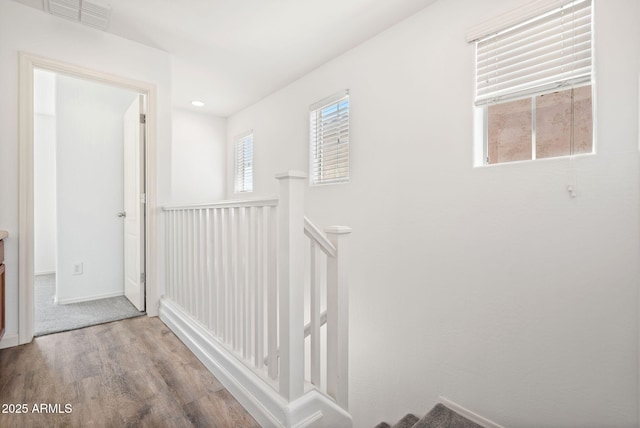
534	83
329	140
244	164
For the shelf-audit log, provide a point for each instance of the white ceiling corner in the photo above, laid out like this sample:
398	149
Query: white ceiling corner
231	53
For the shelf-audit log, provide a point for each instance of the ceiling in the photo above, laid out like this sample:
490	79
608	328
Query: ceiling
232	53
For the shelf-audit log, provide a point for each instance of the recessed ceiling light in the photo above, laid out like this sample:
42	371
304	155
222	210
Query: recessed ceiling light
197	103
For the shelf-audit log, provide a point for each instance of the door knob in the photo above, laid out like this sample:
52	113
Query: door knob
122	214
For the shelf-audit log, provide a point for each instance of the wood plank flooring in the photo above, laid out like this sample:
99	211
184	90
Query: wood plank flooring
130	373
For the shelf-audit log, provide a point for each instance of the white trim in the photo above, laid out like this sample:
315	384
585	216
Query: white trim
233	203
27	63
255	393
291	174
329	100
243	134
9	341
512	17
48	272
310	420
89	298
473	417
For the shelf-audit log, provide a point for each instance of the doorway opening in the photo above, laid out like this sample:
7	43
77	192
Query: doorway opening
145	216
88	193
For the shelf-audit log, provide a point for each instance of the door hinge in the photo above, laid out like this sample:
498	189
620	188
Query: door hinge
143	277
143	198
143	118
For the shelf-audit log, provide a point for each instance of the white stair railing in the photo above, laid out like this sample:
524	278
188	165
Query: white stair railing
221	270
237	268
337	314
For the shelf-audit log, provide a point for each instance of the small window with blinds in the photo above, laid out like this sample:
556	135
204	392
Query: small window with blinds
244	163
329	140
534	85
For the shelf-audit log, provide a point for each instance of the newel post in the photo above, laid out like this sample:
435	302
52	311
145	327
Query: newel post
338	316
291	283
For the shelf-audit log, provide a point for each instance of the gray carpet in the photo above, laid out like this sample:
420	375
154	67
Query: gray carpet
439	417
53	318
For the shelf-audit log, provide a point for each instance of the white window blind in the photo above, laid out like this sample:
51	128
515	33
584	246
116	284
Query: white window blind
543	53
329	140
244	163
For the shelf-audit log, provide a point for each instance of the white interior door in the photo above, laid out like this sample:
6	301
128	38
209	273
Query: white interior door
134	277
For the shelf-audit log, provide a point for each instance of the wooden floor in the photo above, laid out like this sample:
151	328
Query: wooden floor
134	372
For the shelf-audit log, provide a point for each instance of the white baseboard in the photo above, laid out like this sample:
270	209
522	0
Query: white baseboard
89	298
9	341
473	417
255	393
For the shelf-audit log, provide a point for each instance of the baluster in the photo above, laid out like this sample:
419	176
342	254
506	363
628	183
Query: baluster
315	316
178	255
185	286
191	260
167	233
242	280
197	266
234	277
172	255
230	277
224	284
183	260
272	293
204	268
215	302
338	316
250	283
211	260
208	281
258	346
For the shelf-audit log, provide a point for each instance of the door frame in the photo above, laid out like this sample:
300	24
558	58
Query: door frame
27	64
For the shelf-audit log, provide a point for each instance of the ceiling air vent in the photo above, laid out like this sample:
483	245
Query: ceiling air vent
93	13
69	9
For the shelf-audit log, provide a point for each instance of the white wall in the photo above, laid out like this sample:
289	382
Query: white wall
198	157
490	286
44	168
90	183
29	30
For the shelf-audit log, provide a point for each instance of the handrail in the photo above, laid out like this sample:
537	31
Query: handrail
314	233
270	202
307	333
323	321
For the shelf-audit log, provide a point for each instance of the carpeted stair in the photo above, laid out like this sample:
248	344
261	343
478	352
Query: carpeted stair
439	417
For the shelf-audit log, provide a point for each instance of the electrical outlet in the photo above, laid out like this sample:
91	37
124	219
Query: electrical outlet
77	268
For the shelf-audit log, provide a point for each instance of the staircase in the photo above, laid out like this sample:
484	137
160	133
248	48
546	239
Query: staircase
439	417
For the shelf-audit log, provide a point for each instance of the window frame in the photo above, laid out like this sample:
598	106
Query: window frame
315	178
504	24
240	177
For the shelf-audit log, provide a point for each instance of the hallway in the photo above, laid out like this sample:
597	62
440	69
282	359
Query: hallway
133	372
51	317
